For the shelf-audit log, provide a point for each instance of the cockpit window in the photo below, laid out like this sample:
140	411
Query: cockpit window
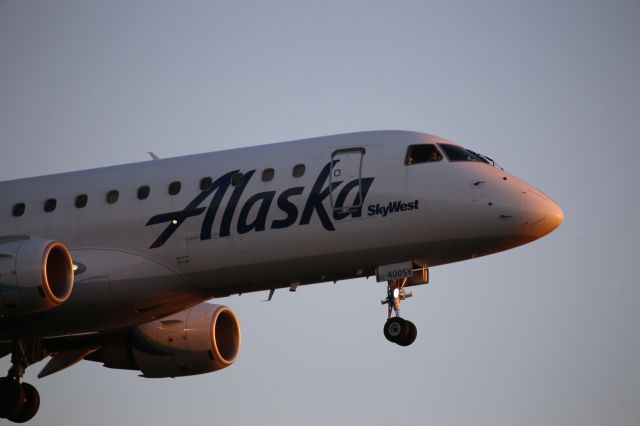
422	154
458	153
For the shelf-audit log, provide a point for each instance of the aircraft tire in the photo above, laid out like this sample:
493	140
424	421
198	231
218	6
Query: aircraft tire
395	329
30	406
411	335
11	397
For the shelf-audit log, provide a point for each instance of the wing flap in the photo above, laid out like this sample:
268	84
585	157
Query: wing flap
65	359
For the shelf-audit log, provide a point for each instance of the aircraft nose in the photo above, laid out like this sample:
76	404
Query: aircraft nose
543	214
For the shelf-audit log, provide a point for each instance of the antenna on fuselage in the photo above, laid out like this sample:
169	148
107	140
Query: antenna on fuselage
153	156
273	290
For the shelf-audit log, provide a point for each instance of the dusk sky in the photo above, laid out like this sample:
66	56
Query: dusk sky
545	334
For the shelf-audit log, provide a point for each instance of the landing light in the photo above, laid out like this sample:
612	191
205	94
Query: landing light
175	222
75	267
396	293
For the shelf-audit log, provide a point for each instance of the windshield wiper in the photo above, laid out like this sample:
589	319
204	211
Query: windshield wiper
486	159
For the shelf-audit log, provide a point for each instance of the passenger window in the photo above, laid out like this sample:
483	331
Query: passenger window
81	201
143	192
18	209
267	175
237	179
112	196
174	188
205	183
417	154
50	205
298	170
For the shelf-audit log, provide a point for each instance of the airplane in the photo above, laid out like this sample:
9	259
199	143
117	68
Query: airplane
117	264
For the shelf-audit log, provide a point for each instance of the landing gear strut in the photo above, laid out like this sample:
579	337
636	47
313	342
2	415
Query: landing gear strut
396	329
19	401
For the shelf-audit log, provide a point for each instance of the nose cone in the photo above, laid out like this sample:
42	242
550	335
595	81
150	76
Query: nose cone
543	214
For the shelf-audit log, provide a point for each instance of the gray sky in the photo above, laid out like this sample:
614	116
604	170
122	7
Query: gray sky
543	334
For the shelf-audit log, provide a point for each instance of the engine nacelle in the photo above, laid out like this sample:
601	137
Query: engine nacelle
35	275
200	340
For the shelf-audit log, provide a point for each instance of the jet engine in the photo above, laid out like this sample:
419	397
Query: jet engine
35	275
200	340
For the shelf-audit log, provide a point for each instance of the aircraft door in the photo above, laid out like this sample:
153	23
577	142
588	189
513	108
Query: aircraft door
346	177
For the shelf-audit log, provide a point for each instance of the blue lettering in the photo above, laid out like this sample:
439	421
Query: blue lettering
321	189
259	223
225	227
317	196
288	207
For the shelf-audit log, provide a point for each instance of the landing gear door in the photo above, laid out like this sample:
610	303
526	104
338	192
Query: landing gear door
346	170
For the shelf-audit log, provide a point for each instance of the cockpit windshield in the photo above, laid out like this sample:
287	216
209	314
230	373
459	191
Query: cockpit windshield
458	153
423	153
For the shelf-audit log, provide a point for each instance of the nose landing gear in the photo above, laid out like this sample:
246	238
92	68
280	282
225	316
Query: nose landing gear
400	331
397	329
19	402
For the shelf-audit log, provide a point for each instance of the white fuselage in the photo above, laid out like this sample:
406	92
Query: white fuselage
141	259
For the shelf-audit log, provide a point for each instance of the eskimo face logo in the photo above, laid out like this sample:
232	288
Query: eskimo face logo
350	192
